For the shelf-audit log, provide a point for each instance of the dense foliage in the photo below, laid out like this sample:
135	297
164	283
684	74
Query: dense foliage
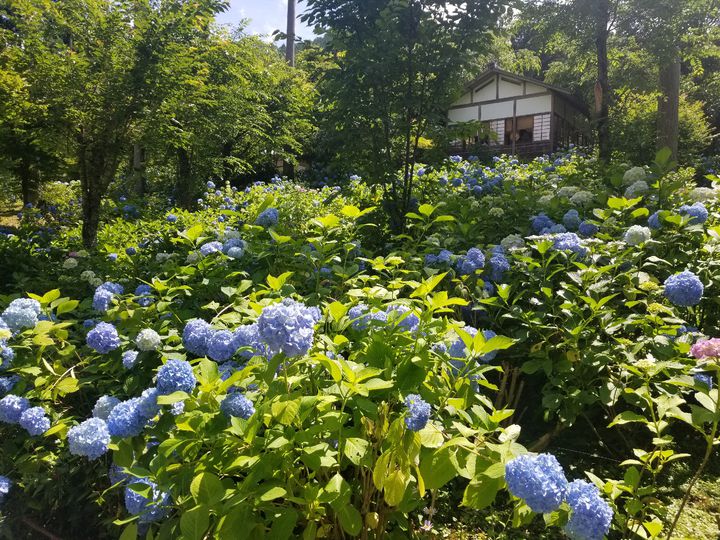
279	364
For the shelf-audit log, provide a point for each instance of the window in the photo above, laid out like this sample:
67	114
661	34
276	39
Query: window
521	132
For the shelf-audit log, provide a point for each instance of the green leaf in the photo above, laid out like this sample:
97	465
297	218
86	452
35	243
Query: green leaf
337	310
207	488
173	398
285	411
276	283
66	386
654	528
394	487
273	493
130	532
66	307
481	492
627	417
283	524
50	296
279	239
438	468
194	522
350	519
426	209
355	449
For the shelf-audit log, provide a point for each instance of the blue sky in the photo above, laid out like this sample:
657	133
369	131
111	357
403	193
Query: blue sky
265	16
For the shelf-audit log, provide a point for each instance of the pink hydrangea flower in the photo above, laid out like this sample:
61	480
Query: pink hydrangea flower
706	348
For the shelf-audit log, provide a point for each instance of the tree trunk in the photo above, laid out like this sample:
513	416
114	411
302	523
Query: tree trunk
91	214
138	170
29	183
668	127
290	42
183	185
602	86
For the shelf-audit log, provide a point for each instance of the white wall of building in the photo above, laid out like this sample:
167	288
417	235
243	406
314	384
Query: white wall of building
534	105
510	89
464	114
492	111
485	91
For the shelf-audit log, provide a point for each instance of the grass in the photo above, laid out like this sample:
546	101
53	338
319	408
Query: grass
8	216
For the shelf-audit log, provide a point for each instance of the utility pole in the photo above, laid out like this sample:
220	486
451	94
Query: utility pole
290	45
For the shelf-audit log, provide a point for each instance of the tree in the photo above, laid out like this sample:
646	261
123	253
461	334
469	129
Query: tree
94	64
399	66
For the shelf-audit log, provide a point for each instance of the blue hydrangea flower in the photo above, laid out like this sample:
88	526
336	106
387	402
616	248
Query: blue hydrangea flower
12	407
89	323
117	474
569	242
177	408
684	289
148	340
112	257
8	383
148	406
226	369
361	316
248	342
131	251
172	218
89	439
21	313
288	327
555	229
126	419
459	350
149	509
406	318
654	220
539	480
7	355
418	412
591	515
211	247
588	229
470	262
210	185
103	406
34	421
704	378
129	358
5	485
143	294
104	295
196	335
103	338
697	212
497	267
444	257
176	376
236	404
268	217
222	345
541	222
571	220
102	299
234	248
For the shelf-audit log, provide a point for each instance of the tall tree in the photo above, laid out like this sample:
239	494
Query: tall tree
394	78
95	63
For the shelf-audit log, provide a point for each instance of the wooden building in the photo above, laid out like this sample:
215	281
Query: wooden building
521	116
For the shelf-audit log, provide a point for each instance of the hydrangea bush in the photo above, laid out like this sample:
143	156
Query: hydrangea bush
278	363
